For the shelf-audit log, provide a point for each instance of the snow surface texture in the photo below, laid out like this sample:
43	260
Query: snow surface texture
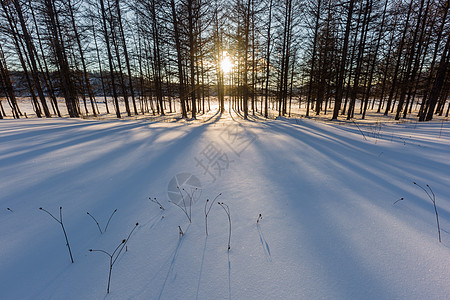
329	228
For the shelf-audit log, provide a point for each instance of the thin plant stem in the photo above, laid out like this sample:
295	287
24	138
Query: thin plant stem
227	211
433	200
398	200
65	234
114	255
207	210
126	240
107	224
98	225
60	221
154	200
183	208
111	262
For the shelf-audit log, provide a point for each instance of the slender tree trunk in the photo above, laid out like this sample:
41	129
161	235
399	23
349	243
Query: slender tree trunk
30	49
102	80
14	33
68	87
372	67
9	90
313	59
246	40
127	60
397	65
157	58
362	43
417	61
268	61
407	76
192	51
110	61
83	62
438	84
424	105
115	41
253	86
338	98
179	59
287	56
220	75
47	77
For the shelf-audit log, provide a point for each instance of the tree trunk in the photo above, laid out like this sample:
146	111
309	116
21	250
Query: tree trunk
397	65
192	51
30	49
338	98
313	58
9	90
268	62
246	40
362	43
372	67
441	75
110	61
127	60
83	62
410	61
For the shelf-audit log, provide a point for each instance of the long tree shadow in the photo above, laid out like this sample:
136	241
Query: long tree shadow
125	168
113	154
341	151
346	171
73	135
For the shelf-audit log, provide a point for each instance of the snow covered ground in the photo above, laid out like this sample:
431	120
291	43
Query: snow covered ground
326	193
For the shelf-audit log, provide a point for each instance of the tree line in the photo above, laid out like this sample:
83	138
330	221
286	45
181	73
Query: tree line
152	56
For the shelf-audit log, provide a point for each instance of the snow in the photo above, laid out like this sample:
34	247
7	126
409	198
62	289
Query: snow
329	228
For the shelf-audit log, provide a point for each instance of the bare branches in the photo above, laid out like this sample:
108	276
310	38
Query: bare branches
185	203
98	225
115	254
154	200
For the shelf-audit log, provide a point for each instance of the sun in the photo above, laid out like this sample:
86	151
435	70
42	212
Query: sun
226	64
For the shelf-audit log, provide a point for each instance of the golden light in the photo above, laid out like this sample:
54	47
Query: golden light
226	64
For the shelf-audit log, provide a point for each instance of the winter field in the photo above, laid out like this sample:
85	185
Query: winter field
333	225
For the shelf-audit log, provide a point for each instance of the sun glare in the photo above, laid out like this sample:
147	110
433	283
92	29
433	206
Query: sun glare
226	65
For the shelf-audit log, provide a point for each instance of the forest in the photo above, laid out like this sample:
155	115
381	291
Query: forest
259	56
